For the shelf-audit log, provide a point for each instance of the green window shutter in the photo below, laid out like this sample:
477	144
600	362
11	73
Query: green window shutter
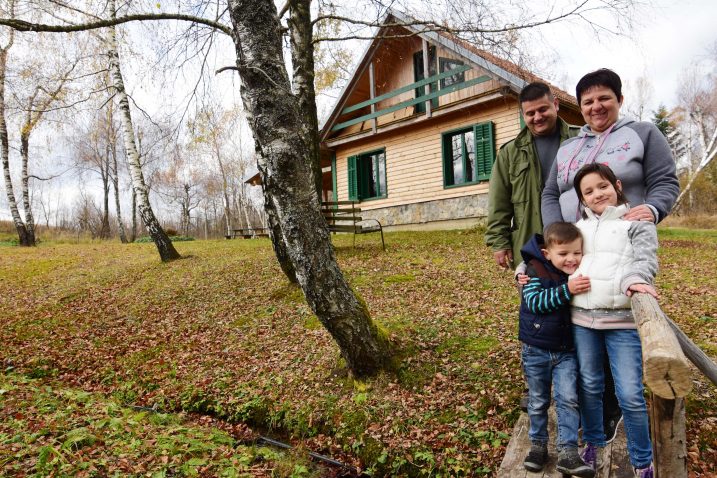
447	154
353	179
522	120
485	149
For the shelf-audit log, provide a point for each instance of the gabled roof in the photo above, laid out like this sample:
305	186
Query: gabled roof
511	74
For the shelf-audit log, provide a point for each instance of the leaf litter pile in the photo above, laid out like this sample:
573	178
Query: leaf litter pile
228	351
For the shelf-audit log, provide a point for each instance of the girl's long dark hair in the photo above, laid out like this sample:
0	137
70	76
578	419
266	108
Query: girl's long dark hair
606	173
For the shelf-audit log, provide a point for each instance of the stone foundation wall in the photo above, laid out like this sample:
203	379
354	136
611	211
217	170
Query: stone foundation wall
465	211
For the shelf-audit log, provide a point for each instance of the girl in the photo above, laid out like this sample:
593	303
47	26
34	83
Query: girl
620	258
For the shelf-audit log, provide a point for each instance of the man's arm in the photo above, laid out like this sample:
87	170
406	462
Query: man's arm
500	207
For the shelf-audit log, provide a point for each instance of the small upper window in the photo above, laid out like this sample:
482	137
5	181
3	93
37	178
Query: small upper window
448	64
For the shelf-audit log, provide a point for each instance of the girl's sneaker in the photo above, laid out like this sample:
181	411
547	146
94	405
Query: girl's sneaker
647	472
589	455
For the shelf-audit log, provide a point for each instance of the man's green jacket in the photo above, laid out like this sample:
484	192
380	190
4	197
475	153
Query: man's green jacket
516	184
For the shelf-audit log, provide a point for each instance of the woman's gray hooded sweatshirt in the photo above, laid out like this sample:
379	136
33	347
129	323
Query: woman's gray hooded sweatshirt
638	154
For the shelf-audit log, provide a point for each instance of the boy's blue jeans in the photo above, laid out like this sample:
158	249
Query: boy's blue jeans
544	369
625	355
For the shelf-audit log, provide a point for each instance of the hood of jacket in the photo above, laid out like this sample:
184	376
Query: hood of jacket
610	212
533	250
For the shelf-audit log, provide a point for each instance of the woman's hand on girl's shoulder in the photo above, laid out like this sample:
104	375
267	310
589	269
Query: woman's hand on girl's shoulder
639	213
644	288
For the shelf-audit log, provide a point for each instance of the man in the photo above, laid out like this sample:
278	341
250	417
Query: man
520	172
516	184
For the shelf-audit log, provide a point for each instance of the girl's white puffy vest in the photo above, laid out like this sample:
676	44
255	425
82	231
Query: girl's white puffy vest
607	255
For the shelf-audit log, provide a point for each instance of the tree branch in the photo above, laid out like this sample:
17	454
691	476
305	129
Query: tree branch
225	68
24	26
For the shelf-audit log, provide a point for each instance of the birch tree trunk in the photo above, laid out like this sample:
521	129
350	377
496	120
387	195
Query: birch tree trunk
133	237
166	249
302	59
105	174
284	154
112	136
25	180
23	236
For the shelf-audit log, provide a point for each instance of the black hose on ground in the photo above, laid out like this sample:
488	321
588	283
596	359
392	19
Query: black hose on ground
315	456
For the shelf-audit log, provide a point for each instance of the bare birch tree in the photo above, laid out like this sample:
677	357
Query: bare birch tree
284	130
700	105
26	238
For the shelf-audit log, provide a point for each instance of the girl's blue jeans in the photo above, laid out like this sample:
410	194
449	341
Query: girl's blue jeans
545	369
625	356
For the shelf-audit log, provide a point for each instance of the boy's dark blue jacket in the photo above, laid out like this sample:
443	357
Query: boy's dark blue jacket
551	330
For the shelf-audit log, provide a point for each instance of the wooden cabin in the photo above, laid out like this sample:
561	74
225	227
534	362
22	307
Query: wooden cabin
414	134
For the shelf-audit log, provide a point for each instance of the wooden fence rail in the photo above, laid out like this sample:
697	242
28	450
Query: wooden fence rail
665	349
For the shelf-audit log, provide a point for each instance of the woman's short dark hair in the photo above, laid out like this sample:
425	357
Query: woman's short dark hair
604	172
534	91
602	77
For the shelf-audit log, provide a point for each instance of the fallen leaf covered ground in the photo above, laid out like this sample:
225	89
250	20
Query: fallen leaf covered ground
220	334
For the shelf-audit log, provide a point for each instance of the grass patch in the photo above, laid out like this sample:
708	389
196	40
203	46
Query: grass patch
222	338
83	434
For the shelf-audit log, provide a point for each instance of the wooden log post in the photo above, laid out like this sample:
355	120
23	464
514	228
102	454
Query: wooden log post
667	374
669	440
665	367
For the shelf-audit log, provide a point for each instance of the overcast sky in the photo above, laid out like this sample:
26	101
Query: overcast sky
668	38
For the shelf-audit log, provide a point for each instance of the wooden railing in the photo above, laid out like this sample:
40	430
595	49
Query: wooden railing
410	102
665	349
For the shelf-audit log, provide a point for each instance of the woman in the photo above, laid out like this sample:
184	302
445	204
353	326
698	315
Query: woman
637	152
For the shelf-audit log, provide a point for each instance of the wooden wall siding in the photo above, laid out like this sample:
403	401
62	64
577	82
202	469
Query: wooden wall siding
414	168
393	69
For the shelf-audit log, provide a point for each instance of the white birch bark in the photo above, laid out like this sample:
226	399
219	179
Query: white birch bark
165	247
709	151
22	233
284	153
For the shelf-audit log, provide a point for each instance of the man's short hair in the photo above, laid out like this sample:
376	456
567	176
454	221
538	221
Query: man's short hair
561	233
602	77
534	91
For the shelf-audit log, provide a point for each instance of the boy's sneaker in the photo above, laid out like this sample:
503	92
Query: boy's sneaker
647	472
610	424
570	463
537	457
589	455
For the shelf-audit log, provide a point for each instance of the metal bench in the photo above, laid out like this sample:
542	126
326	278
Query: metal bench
344	216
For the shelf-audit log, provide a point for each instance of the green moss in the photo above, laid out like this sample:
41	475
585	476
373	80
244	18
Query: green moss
311	322
399	278
289	293
466	347
243	321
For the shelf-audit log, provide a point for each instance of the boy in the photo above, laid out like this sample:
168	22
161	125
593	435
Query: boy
549	359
